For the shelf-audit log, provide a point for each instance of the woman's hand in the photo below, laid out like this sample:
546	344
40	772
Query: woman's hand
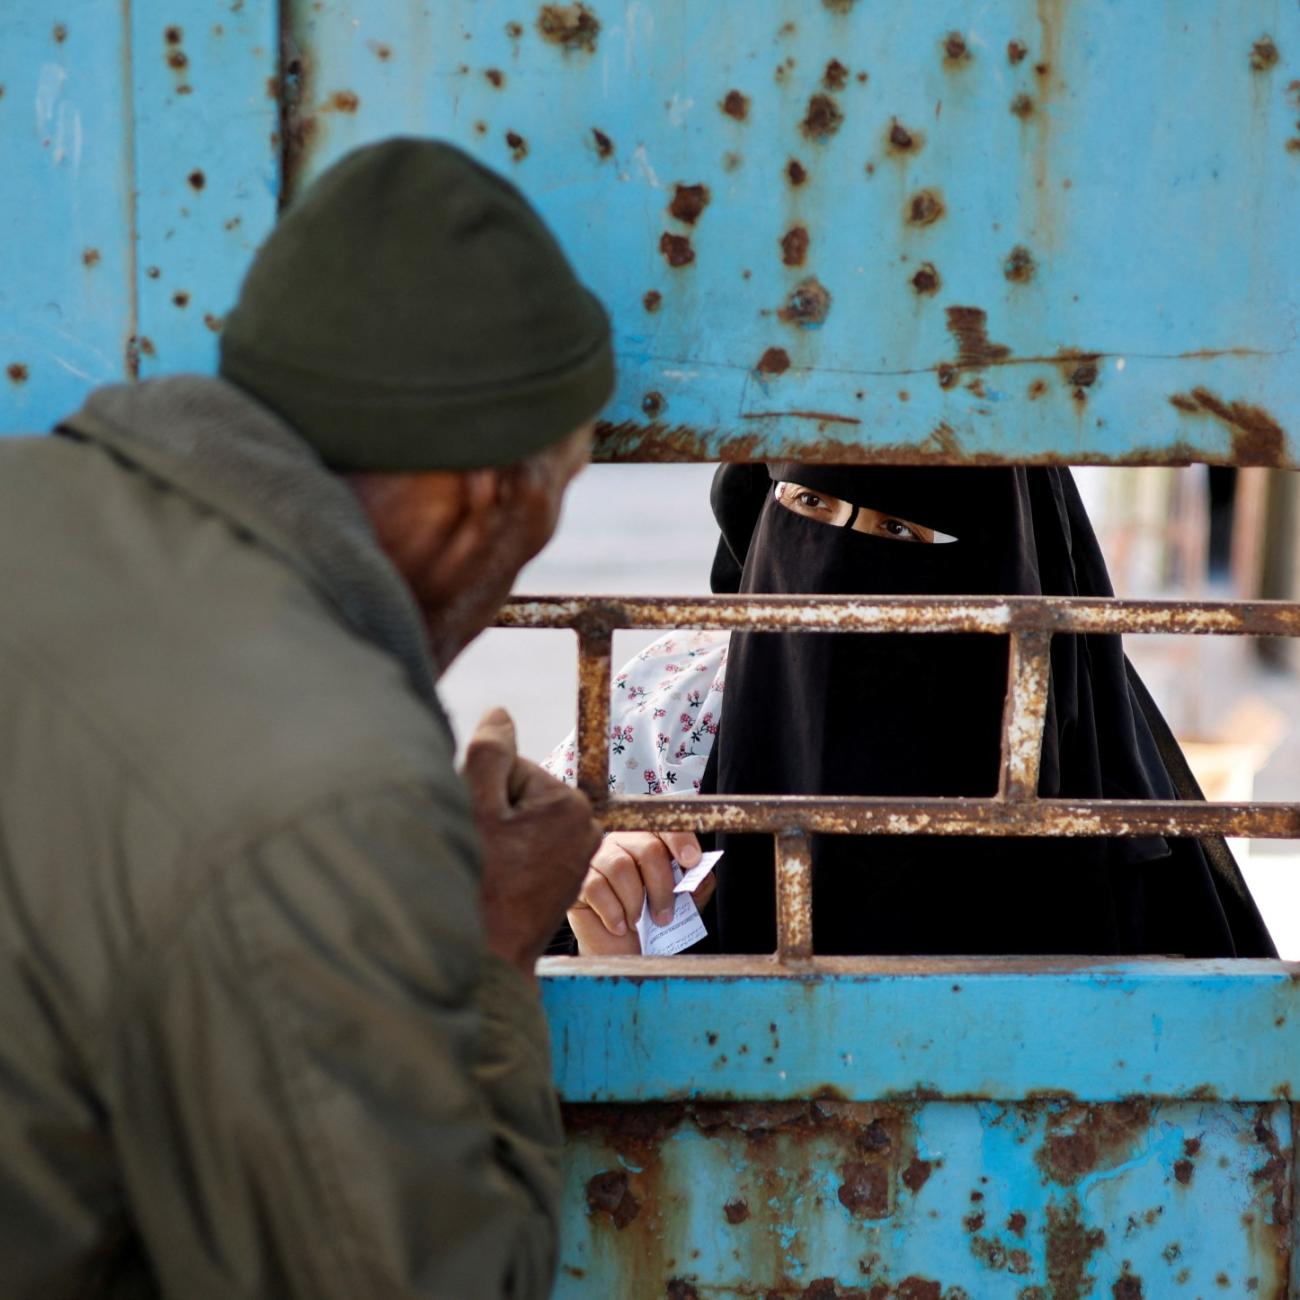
626	868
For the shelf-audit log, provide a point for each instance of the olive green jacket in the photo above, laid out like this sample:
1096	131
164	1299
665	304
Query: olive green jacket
252	1042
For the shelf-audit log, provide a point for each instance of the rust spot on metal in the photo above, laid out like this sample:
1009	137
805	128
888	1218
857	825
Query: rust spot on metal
385	52
609	1193
809	303
676	249
689	202
1016	52
731	161
735	105
514	30
1084	1138
918	1288
948	375
775	361
178	59
924	208
17	372
794	246
1128	1287
496	77
573	27
1020	266
1016	1223
1183	1171
60	33
653	300
273	88
1257	438
214	323
822	119
926	279
173	35
1070	1248
146	346
795	172
1022	106
680	1289
1263	54
736	1211
342	101
865	1190
517	145
1079	369
180	298
836	76
1042	69
1037	389
90	257
838	6
969	326
604	145
916	1174
197	180
653	404
901	139
1293	145
955	49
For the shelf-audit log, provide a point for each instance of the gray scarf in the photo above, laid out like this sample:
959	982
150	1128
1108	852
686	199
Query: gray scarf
210	440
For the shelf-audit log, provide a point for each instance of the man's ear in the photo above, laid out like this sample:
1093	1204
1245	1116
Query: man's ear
483	509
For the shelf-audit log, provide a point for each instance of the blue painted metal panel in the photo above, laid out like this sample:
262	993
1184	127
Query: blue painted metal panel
207	159
936	1201
65	208
1102	223
926	1028
141	158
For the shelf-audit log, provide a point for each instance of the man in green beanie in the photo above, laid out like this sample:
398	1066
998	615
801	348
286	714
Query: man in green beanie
270	1025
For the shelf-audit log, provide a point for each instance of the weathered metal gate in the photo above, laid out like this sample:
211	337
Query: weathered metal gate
953	231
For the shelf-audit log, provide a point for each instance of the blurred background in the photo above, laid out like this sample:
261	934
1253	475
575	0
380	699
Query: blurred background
1194	533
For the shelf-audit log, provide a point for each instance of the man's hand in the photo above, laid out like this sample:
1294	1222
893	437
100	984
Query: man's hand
538	836
628	867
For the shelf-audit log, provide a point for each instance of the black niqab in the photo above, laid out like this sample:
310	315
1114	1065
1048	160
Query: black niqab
907	715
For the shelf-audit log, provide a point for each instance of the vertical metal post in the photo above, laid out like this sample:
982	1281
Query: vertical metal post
594	647
1028	674
794	933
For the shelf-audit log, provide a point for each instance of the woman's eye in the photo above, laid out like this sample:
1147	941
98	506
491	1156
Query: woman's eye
810	501
897	528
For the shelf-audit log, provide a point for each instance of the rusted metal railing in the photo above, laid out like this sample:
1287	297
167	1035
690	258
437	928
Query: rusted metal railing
1029	622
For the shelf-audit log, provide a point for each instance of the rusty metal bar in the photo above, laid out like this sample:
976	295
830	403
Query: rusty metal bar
594	650
793	896
1028	671
868	815
995	614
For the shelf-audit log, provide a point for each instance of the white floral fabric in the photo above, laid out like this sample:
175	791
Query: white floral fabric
664	710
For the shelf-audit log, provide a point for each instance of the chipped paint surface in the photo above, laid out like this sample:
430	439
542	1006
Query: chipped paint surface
954	176
968	146
830	1210
143	146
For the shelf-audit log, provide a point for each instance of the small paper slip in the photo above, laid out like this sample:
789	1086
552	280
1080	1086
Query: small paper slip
690	882
686	927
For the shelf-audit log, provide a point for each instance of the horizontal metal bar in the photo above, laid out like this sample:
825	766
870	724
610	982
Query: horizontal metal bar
869	815
918	1028
996	614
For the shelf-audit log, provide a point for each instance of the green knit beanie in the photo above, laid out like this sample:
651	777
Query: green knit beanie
412	312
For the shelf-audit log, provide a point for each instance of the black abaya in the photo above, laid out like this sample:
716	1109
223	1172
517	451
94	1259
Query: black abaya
908	714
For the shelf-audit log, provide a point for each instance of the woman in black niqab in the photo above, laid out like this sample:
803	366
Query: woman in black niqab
920	714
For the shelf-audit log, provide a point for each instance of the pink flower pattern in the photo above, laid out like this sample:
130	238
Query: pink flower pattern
656	686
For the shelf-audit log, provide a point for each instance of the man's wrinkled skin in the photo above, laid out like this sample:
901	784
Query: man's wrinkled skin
459	541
